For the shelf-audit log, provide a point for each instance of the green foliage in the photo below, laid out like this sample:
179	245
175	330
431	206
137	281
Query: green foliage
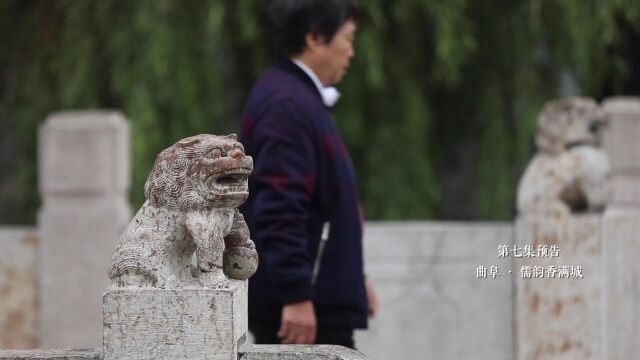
438	110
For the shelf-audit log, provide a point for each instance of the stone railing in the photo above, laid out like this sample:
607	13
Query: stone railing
62	354
246	352
295	352
428	265
433	302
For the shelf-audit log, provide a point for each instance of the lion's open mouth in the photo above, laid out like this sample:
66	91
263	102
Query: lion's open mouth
232	181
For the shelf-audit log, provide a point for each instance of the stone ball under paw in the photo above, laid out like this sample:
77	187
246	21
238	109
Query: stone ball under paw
240	262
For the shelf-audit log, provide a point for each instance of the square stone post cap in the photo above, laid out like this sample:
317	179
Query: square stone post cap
622	144
70	145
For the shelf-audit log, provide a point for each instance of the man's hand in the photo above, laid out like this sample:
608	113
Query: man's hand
298	323
372	299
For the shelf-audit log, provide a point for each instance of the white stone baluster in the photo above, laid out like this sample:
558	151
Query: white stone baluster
83	181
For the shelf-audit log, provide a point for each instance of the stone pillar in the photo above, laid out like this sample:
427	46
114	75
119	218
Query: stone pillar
621	233
621	142
84	179
558	312
188	323
18	288
558	252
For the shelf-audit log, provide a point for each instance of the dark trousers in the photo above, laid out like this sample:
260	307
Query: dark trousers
266	333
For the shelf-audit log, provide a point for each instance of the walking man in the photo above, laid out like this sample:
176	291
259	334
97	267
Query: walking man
303	210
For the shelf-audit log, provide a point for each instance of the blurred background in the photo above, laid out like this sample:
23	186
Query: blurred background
438	109
439	113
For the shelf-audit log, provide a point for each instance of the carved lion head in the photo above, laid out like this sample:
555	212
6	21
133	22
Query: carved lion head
569	122
201	171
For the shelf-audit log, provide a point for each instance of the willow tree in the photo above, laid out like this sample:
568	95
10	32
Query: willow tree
438	109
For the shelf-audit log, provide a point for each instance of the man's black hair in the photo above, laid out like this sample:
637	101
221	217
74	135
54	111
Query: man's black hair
292	20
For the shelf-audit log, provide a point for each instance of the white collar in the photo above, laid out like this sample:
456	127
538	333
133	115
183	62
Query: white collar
329	94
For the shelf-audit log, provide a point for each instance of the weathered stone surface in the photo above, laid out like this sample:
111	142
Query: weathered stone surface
622	274
560	318
192	194
198	323
18	288
432	305
67	354
299	352
83	174
568	172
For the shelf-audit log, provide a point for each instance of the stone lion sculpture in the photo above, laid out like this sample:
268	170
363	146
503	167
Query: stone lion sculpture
568	172
192	197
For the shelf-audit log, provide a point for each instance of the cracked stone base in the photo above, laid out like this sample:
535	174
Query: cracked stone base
190	323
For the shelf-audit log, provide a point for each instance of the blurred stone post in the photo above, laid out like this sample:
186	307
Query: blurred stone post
558	252
559	313
83	180
621	232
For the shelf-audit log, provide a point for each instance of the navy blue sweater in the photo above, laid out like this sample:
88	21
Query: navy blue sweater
303	177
